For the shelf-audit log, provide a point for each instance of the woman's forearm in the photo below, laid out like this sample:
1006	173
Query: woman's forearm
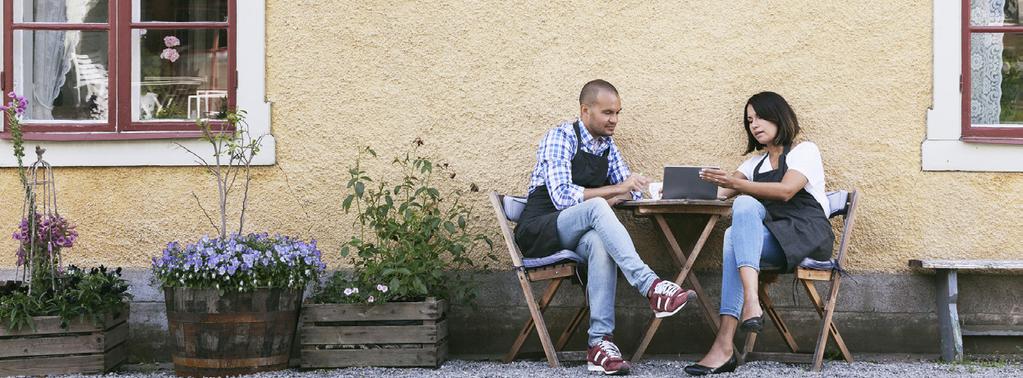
777	191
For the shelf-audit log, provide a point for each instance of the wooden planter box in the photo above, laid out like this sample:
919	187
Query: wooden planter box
385	334
82	348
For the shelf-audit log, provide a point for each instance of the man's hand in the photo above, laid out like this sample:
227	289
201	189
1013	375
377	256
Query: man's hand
635	183
614	201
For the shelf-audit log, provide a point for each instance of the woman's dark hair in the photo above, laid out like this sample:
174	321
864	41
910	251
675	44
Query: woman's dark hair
772	107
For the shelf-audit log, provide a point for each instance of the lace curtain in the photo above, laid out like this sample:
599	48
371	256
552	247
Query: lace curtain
986	63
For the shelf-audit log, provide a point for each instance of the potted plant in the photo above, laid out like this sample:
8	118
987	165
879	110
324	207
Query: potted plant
55	320
233	299
413	248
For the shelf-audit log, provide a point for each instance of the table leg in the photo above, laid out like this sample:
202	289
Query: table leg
683	275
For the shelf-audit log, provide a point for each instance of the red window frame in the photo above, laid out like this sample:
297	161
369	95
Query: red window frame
119	27
1003	135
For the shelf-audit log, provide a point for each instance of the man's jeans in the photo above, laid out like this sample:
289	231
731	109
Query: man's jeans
747	243
593	231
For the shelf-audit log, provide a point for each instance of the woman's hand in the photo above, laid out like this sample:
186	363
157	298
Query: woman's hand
718	177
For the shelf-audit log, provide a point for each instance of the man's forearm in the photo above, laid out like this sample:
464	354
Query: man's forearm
606	192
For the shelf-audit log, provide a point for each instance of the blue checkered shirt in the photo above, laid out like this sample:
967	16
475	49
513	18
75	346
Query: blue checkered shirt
554	163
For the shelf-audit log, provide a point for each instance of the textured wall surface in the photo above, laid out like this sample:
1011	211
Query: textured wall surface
480	82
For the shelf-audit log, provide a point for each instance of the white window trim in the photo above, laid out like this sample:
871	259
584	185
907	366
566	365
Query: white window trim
943	150
251	97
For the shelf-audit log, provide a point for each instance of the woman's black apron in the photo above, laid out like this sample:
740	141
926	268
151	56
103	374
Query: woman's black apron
537	230
799	224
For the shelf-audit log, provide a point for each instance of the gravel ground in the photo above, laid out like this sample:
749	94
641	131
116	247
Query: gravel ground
653	368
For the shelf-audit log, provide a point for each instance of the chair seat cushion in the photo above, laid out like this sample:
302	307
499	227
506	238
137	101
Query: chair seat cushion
561	256
837	201
513	207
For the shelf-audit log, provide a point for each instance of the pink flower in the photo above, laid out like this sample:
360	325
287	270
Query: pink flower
370	299
170	54
382	288
171	41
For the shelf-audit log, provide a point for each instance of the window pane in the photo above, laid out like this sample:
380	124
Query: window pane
996	75
182	11
63	74
994	12
73	11
179	74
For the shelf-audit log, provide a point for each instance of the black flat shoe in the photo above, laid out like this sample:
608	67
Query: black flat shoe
697	369
754	324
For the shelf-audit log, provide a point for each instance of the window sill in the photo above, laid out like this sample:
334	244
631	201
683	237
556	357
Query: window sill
122	152
975	156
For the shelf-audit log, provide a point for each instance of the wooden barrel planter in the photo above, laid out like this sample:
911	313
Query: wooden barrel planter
389	334
84	347
215	335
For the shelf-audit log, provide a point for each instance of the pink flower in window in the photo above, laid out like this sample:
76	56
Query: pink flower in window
170	54
171	41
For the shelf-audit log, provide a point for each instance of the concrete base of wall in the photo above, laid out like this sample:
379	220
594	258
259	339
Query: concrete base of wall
877	313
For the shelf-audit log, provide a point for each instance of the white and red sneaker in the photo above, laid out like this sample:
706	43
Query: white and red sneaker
667	298
606	358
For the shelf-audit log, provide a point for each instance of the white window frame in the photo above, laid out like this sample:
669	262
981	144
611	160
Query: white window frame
944	150
251	97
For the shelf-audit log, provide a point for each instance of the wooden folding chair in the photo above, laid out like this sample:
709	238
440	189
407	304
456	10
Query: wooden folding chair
507	209
842	204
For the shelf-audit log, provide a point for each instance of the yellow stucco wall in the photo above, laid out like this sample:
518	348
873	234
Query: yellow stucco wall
480	82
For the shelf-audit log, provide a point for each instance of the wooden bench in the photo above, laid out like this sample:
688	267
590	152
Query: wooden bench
947	296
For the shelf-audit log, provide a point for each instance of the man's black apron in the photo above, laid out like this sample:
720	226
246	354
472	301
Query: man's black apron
537	230
799	224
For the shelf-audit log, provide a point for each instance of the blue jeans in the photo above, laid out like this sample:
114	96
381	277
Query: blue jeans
600	238
747	243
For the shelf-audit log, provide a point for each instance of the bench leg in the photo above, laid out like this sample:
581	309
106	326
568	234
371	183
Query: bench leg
947	295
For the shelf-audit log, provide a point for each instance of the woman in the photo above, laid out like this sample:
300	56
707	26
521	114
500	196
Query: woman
779	217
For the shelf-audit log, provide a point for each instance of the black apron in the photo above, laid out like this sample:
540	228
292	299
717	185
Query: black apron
799	224
537	230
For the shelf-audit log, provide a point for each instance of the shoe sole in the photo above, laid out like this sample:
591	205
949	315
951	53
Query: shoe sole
666	314
591	367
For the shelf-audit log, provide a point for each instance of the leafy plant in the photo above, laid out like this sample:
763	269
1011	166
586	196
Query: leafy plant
91	295
51	291
413	242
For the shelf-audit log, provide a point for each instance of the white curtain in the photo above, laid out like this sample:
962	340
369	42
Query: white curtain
986	63
51	59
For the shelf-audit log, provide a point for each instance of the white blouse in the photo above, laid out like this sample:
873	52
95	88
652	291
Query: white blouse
805	158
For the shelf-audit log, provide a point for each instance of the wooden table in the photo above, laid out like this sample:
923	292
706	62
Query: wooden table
660	211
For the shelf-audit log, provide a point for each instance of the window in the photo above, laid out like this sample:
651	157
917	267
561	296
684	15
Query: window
118	146
120	69
951	139
992	82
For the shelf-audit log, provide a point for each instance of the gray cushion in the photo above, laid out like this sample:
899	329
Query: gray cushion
513	207
837	200
563	255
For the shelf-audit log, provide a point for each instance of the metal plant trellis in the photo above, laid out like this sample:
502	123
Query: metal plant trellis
41	262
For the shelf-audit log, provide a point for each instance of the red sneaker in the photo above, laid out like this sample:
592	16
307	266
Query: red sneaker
667	298
606	358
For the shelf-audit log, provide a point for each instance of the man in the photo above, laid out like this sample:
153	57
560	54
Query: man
579	175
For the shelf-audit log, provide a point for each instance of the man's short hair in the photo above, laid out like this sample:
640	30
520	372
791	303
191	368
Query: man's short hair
589	93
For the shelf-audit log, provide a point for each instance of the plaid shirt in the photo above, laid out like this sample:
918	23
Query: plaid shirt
554	163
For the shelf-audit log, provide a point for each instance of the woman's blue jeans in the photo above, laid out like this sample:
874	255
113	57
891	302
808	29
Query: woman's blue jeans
593	231
747	242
